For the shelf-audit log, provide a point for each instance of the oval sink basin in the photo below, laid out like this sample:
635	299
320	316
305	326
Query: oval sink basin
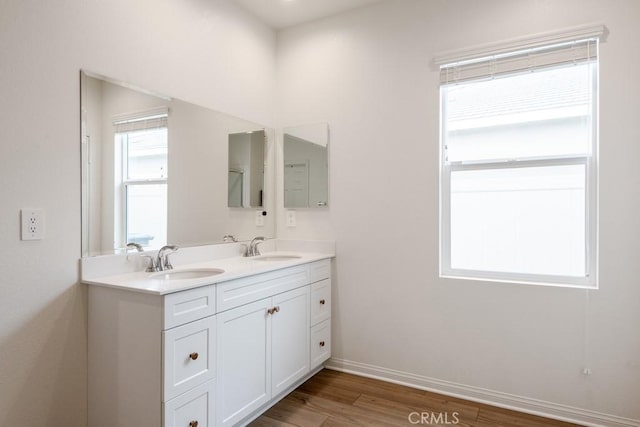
196	273
276	257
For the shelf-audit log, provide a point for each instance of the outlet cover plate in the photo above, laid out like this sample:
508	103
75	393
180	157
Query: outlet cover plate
291	218
32	224
259	219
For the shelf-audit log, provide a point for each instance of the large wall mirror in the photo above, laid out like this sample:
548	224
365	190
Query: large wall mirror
157	170
306	166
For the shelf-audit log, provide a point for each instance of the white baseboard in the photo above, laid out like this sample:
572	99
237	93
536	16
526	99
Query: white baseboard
503	400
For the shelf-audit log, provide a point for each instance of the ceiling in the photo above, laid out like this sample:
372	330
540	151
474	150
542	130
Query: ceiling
286	13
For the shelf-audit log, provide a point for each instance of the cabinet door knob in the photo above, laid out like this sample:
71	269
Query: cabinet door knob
321	343
273	309
194	356
193	423
322	301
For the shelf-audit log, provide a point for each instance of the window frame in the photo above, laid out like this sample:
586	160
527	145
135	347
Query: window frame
590	280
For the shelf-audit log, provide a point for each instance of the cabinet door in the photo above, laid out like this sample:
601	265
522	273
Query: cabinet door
244	360
289	338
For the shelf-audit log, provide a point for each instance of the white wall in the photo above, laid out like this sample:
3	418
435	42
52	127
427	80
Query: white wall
175	47
369	74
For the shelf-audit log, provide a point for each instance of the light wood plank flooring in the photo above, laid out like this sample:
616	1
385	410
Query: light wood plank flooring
333	398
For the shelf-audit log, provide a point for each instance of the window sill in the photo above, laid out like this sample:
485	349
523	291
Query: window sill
540	282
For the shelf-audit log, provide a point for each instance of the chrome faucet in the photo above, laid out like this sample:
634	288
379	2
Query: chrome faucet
162	260
252	250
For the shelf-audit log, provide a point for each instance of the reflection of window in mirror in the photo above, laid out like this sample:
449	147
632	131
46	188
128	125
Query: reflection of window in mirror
246	169
141	167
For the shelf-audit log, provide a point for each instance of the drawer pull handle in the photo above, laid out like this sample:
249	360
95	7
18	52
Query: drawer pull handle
321	343
269	310
193	423
194	356
276	309
322	302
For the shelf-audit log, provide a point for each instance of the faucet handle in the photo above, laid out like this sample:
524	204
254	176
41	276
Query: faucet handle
136	246
162	261
253	246
167	263
151	267
256	251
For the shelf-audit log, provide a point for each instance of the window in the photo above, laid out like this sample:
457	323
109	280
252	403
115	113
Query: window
519	165
141	168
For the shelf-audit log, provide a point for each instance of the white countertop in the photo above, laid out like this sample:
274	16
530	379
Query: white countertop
234	268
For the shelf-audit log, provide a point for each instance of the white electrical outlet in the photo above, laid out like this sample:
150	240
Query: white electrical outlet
291	218
259	219
32	224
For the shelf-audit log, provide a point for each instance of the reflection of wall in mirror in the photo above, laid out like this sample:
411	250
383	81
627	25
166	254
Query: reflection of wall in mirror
296	184
236	186
246	154
92	217
301	154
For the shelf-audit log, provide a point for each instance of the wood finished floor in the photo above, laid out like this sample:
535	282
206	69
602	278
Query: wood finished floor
333	398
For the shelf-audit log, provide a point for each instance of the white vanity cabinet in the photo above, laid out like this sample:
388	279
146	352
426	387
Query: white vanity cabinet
215	355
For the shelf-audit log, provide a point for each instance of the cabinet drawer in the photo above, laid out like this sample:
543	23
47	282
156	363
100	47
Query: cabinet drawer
192	409
189	356
320	343
319	270
235	293
187	306
320	301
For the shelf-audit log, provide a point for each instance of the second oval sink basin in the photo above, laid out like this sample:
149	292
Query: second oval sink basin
276	257
196	273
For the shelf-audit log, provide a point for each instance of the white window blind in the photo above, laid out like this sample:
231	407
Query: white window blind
573	52
142	120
